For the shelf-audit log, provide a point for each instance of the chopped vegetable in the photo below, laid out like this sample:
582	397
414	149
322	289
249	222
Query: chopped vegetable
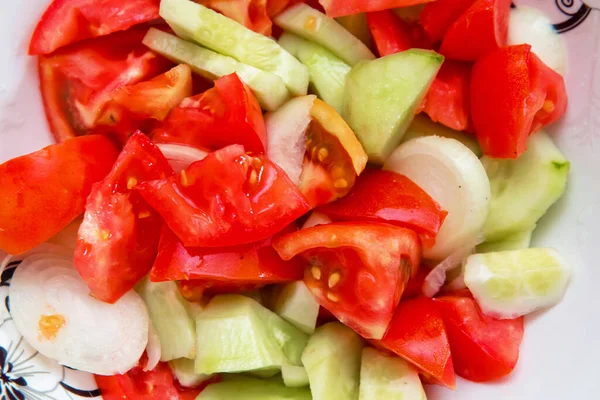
518	241
253	389
185	374
338	8
295	303
250	13
180	156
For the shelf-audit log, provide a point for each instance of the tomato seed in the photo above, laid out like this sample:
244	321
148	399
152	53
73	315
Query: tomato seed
316	273
334	279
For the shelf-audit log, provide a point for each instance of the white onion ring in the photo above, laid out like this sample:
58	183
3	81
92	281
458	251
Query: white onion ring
180	156
153	348
437	277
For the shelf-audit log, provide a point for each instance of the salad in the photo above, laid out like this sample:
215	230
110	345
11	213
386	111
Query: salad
281	199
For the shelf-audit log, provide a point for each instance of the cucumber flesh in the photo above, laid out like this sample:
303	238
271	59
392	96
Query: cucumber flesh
525	188
388	377
382	95
170	318
241	387
270	90
357	25
332	361
208	28
423	126
294	376
313	25
327	72
518	241
237	334
296	304
183	369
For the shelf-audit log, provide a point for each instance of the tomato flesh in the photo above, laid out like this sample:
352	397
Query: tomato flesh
118	238
250	13
44	191
513	95
339	8
483	348
227	114
417	334
392	34
357	271
439	15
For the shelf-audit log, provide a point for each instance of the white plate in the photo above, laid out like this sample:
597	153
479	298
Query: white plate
561	352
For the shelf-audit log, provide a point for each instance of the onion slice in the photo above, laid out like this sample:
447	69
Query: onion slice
437	277
180	156
52	308
316	218
153	348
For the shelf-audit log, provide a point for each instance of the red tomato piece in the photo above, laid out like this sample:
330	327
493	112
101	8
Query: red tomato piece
439	15
414	287
44	191
70	21
227	114
118	238
483	348
447	101
480	30
78	81
390	33
418	335
250	13
357	271
137	384
196	290
254	263
339	8
276	7
227	199
513	95
385	196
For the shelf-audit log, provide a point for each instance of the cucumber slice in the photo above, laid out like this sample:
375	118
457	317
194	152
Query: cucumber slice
525	188
311	24
518	241
509	284
169	316
388	377
237	334
357	25
270	90
423	126
241	387
327	72
332	361
454	177
195	22
296	304
183	369
294	376
382	96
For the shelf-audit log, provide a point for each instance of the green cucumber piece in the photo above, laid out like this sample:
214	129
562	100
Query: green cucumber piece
327	72
382	95
270	90
313	25
294	376
296	304
518	241
525	188
241	387
388	377
357	25
183	369
423	126
237	334
192	21
168	312
332	361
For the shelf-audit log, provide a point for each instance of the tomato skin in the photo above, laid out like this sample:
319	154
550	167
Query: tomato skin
481	29
417	334
483	348
390	33
357	271
229	198
339	8
118	238
69	21
513	95
388	197
49	185
250	13
439	15
250	264
227	114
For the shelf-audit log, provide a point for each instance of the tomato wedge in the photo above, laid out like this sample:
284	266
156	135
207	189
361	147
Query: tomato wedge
44	191
482	28
250	13
227	199
385	196
439	15
513	95
78	81
244	265
69	21
198	290
483	348
357	271
393	35
339	8
118	238
227	114
418	335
